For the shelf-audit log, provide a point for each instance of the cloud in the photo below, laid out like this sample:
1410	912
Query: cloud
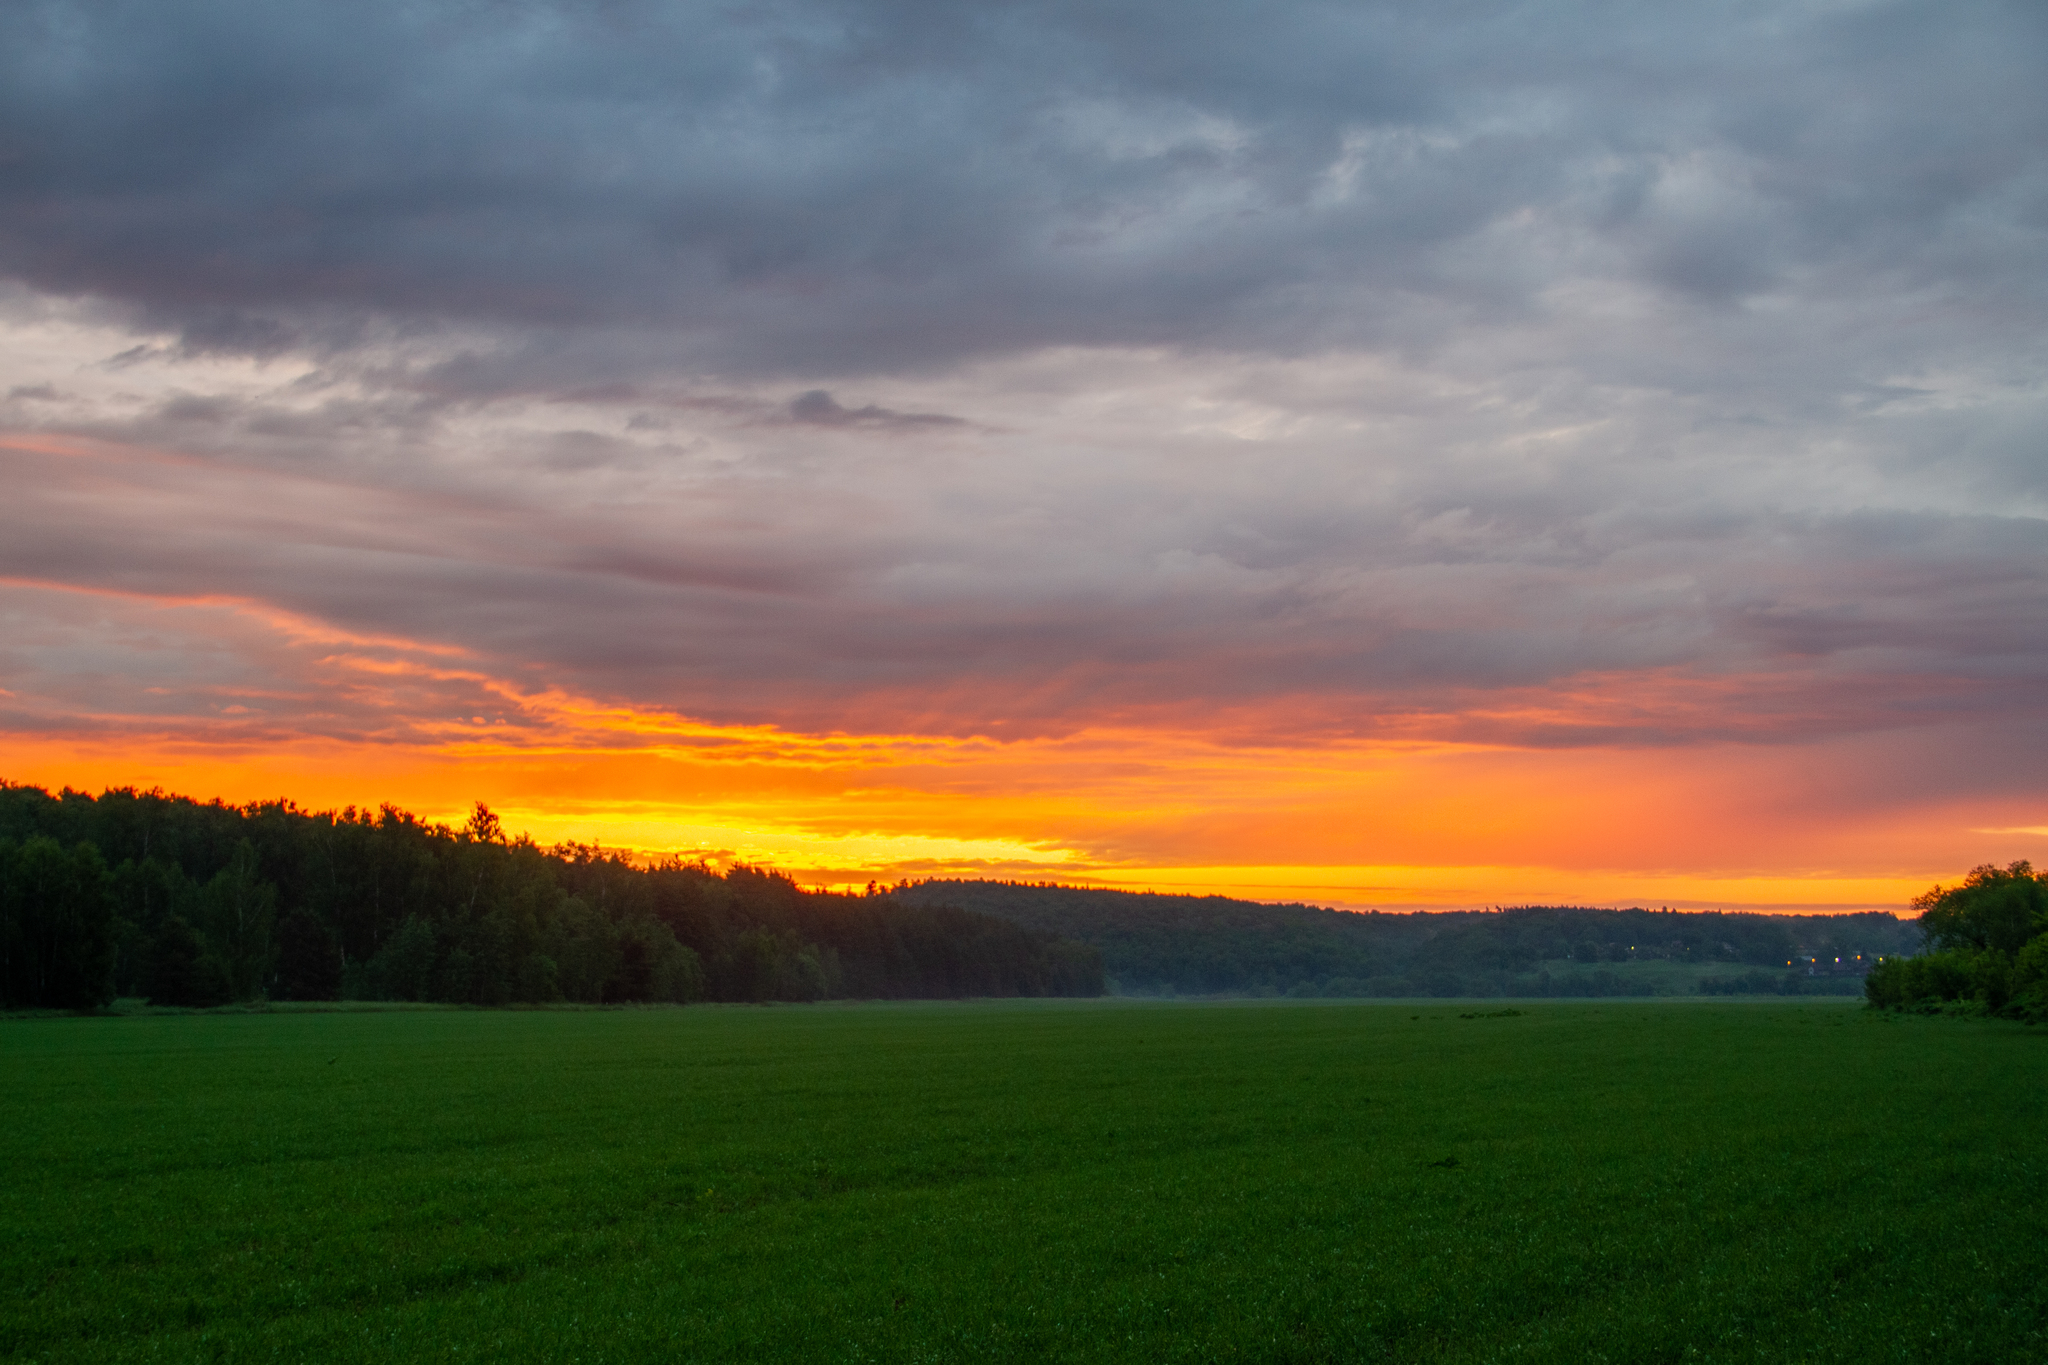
815	407
834	188
1564	381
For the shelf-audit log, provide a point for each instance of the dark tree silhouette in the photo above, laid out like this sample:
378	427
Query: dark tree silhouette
56	925
180	972
269	898
308	959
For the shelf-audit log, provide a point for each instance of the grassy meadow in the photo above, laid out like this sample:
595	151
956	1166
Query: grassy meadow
1105	1180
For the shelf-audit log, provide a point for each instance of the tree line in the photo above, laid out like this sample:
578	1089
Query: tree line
182	902
1984	948
1206	945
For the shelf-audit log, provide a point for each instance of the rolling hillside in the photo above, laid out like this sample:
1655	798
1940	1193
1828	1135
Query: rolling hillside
1210	945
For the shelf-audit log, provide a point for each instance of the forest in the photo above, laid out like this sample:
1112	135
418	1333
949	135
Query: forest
181	902
145	895
1203	945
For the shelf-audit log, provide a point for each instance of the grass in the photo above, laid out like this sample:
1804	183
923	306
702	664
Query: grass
1661	977
1628	1182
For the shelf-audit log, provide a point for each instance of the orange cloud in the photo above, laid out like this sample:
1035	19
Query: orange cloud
1658	784
1359	821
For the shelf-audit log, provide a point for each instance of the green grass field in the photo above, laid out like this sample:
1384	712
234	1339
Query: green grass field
1654	977
1630	1181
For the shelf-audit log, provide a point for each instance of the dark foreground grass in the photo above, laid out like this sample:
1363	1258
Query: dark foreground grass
1100	1181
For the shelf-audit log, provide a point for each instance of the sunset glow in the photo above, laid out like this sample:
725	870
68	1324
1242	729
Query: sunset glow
1048	454
1259	805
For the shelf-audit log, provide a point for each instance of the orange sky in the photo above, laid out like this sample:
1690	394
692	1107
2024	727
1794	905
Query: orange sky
1507	493
1247	806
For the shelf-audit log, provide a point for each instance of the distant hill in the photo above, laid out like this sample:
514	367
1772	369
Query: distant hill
1215	945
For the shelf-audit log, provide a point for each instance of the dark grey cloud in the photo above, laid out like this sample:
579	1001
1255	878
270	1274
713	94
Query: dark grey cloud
831	605
816	407
832	188
1361	361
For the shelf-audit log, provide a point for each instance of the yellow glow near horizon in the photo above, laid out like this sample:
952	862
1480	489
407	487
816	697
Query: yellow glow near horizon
848	834
1257	804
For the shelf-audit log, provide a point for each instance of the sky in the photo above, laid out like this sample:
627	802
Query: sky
1403	455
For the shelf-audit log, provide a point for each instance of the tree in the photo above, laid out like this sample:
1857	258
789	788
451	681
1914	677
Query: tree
308	960
56	926
404	968
180	971
484	826
1995	908
269	897
1987	943
237	910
